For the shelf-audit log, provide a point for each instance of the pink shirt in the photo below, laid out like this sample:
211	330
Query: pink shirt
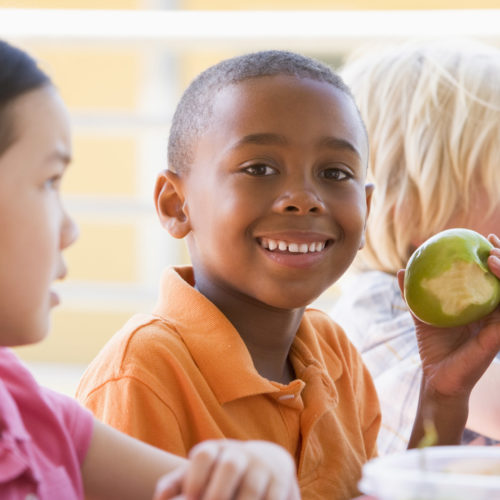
44	437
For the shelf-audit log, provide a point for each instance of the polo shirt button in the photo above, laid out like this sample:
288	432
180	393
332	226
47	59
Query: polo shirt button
30	496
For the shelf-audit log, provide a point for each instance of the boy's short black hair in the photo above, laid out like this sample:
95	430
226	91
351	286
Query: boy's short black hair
19	73
195	108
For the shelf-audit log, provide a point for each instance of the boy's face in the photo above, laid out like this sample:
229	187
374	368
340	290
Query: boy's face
276	198
34	228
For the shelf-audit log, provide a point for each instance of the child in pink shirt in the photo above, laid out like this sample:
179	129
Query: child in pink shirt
45	436
50	447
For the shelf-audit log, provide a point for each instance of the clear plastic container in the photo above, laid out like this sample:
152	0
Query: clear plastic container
435	473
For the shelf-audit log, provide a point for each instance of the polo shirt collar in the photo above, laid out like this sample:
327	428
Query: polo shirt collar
218	350
14	458
12	386
308	357
213	342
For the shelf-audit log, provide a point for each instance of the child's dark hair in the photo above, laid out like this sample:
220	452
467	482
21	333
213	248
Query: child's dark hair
195	108
19	73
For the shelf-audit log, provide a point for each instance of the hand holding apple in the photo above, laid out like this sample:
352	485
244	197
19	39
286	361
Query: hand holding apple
447	279
453	359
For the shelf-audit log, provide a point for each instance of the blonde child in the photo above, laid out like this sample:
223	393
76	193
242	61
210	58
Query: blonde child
50	447
267	183
432	111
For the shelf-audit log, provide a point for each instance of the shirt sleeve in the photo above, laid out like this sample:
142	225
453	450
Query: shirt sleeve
77	420
129	405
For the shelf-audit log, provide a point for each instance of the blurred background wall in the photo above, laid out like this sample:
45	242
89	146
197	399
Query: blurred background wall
121	94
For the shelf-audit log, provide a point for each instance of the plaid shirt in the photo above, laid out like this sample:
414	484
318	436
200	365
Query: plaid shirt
377	321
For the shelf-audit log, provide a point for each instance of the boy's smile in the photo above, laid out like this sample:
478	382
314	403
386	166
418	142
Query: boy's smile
274	203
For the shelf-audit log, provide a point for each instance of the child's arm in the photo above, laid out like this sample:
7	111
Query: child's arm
120	467
453	360
231	470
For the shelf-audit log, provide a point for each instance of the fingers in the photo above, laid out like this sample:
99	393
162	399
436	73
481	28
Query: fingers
401	281
233	470
227	475
277	470
202	459
294	493
262	483
494	240
494	258
282	490
170	485
216	471
253	482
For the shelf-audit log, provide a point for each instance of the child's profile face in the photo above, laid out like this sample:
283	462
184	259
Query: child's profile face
276	195
34	227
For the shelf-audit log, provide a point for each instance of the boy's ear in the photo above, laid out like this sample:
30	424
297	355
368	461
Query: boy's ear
369	188
169	202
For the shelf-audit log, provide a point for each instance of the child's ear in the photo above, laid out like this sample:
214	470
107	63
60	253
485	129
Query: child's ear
169	202
368	193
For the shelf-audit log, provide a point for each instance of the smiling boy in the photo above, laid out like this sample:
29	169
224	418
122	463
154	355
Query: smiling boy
266	181
272	206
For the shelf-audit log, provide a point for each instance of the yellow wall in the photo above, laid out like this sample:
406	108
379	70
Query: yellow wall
94	77
103	165
96	82
76	335
105	252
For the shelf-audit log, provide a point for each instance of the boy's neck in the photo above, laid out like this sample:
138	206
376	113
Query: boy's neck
268	339
267	332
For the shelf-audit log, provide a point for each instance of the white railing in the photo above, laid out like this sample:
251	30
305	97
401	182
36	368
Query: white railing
320	30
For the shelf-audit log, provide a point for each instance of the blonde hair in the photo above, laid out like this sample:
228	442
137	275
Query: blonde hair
432	111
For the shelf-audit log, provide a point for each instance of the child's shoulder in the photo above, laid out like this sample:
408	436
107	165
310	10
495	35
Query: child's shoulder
137	341
14	374
21	396
145	346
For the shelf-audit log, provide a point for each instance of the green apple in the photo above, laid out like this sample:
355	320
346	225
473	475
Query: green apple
447	279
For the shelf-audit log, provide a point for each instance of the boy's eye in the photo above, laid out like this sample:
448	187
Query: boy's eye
336	174
260	169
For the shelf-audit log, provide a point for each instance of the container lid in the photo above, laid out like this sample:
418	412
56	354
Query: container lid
448	472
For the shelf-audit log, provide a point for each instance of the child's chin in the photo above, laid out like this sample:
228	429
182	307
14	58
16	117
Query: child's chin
54	299
289	302
40	334
27	338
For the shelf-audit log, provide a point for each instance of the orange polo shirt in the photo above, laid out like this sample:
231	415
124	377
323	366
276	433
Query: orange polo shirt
182	375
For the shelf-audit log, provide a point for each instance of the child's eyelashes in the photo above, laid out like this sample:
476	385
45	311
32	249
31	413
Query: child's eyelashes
259	170
336	174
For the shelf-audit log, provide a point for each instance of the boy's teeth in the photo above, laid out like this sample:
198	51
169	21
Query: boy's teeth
272	245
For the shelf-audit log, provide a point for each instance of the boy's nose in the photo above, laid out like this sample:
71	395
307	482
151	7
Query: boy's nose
300	202
69	231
